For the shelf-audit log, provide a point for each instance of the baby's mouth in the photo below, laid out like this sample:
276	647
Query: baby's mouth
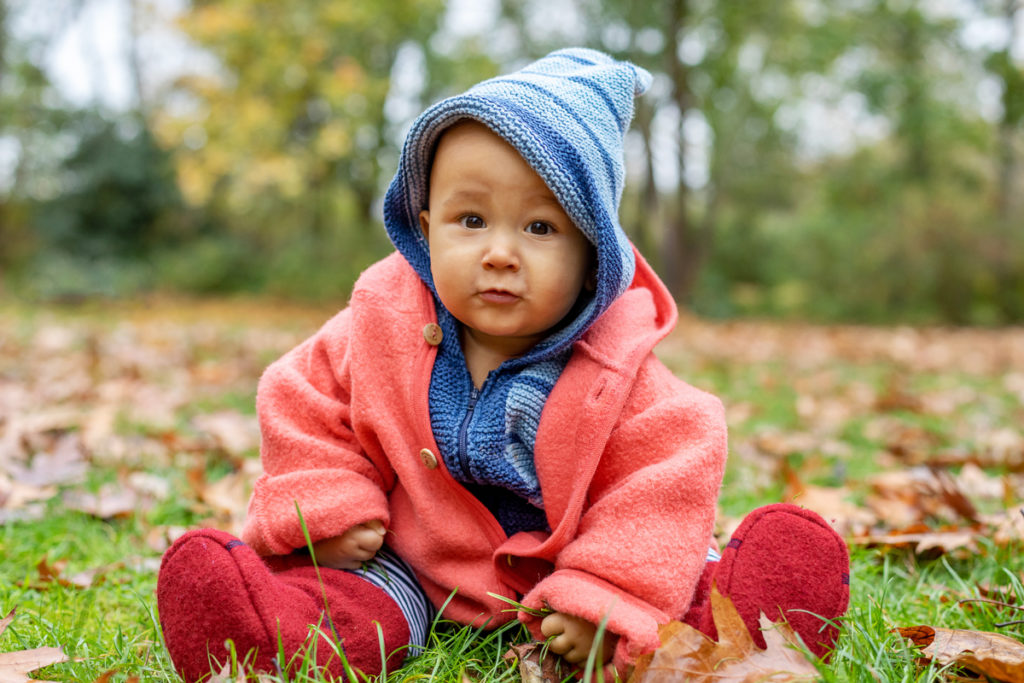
498	296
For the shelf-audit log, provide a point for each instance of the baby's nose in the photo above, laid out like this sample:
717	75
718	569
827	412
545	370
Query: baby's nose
501	252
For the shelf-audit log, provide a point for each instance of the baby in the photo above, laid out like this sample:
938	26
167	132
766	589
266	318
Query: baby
486	424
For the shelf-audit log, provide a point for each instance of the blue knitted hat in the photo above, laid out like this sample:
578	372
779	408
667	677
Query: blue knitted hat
566	114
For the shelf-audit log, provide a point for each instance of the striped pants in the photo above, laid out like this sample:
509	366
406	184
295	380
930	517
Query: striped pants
391	574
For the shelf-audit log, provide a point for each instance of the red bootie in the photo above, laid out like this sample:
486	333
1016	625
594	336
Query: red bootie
212	588
787	562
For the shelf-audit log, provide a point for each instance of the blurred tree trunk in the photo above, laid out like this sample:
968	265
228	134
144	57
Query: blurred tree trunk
1008	262
648	228
1013	112
3	36
4	219
134	58
648	203
682	247
914	119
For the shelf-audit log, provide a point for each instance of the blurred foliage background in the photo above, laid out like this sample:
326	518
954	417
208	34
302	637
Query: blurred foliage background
828	160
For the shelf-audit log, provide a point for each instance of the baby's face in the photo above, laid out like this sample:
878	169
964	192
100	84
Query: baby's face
506	260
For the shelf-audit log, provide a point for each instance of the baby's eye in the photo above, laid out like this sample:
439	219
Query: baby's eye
472	222
539	228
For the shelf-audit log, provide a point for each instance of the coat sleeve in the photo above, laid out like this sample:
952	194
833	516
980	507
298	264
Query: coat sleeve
310	453
644	534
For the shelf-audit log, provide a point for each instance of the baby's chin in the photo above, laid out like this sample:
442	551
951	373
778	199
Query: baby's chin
506	336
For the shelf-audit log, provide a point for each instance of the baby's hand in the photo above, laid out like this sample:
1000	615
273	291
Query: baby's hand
349	550
574	637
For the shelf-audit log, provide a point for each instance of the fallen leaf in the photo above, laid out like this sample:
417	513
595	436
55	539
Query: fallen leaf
1009	526
111	502
687	654
534	666
224	675
227	498
897	397
949	491
975	483
232	431
27	512
160	538
988	654
924	539
55	574
14	666
846	518
64	463
15	496
917	494
107	675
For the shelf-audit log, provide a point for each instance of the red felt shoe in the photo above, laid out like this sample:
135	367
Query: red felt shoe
212	588
790	564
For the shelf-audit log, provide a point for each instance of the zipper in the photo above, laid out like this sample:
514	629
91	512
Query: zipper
463	450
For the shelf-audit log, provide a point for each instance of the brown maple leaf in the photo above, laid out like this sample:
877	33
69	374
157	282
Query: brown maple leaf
688	654
14	666
989	654
51	574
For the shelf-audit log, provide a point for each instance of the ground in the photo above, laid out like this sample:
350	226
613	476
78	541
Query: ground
121	424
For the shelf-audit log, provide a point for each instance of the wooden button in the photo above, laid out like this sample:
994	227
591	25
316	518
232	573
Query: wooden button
432	333
428	458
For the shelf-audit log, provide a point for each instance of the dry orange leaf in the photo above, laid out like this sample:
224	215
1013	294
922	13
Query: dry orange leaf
688	654
54	574
989	654
14	666
924	539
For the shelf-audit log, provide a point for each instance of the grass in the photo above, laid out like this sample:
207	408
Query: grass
821	413
108	627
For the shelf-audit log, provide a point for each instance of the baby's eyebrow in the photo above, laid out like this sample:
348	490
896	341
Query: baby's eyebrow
469	194
548	198
464	196
480	195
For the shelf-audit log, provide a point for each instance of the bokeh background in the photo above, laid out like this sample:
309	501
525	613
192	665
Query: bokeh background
824	160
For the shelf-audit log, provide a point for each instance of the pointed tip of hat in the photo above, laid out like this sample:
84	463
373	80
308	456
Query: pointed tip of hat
642	77
643	80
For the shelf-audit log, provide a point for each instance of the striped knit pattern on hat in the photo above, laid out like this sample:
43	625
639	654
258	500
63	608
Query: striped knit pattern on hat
566	114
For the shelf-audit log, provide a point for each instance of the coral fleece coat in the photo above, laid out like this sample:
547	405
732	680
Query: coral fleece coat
629	458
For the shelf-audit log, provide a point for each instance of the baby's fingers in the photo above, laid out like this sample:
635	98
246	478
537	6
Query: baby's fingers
568	648
367	539
576	655
363	554
553	625
348	563
560	644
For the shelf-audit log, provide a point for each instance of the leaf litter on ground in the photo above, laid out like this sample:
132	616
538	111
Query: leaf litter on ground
141	393
535	664
15	666
993	655
687	654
